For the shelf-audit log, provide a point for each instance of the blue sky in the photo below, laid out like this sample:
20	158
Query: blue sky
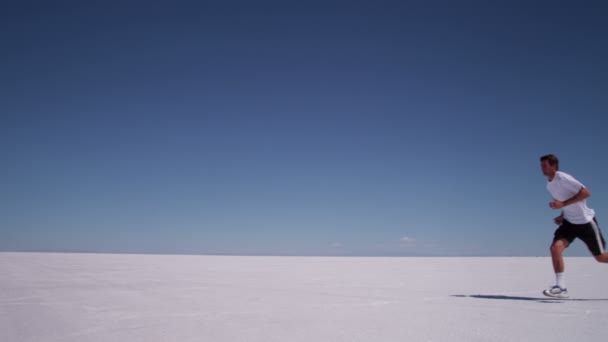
297	128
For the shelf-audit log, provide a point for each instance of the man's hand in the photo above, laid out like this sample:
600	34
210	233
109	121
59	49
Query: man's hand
557	204
558	220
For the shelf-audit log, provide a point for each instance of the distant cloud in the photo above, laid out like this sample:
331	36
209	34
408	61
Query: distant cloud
336	244
407	241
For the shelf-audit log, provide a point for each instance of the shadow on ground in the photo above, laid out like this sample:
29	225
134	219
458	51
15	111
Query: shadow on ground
531	299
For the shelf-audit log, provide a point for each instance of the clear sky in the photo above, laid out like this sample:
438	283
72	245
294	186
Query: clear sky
297	127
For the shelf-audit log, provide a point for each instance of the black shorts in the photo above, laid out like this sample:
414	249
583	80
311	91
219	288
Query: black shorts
589	233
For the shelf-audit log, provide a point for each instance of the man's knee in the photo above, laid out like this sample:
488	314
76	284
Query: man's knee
558	246
602	258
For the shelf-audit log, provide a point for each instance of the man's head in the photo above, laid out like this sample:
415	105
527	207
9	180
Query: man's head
549	165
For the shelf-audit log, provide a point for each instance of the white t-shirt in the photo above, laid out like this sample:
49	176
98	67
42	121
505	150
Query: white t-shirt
563	187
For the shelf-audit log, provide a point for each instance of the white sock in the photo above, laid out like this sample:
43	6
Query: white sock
560	280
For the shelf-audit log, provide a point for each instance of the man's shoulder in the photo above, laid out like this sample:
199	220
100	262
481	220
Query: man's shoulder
563	175
565	178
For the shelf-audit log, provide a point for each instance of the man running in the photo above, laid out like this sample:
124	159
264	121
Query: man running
575	221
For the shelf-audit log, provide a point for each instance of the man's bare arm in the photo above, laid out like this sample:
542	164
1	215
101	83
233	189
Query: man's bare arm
581	195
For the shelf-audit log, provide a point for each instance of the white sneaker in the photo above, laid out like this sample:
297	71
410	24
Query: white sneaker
556	291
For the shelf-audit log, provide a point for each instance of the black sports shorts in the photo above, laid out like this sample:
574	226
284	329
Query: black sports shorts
589	233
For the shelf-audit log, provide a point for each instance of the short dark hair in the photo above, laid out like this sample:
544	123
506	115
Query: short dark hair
552	159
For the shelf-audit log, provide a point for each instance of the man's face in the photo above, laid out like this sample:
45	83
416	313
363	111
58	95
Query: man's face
547	168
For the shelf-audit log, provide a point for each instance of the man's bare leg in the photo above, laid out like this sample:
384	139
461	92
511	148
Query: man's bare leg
557	250
602	257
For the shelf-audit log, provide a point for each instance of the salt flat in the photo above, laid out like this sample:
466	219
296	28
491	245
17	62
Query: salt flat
106	297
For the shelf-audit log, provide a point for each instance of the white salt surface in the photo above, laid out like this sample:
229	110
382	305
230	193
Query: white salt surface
97	297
